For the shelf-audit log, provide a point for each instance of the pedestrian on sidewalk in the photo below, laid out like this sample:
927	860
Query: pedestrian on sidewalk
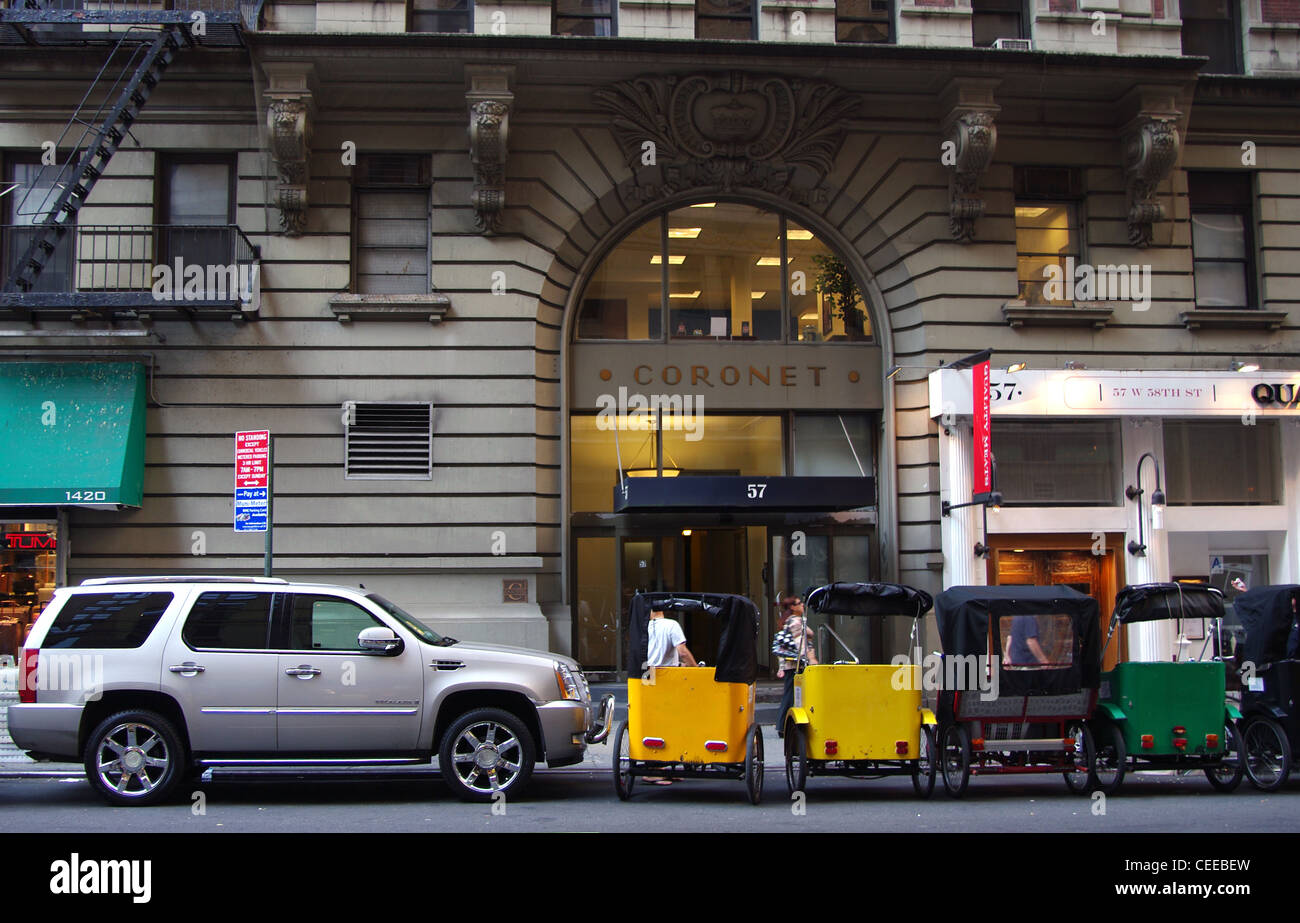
792	634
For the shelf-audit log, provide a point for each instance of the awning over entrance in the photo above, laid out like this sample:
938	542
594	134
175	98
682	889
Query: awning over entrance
745	493
73	433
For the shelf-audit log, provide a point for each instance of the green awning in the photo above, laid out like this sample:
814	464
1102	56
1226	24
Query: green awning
72	433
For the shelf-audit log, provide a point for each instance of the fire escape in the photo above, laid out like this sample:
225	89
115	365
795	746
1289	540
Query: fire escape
53	266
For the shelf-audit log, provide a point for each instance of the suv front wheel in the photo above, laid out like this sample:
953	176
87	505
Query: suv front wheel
485	751
135	757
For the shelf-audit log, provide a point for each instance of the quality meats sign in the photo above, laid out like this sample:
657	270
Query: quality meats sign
1276	395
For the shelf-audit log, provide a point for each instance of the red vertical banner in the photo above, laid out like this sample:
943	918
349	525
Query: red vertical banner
983	448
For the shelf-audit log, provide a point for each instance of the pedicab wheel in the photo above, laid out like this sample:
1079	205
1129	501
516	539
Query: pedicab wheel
754	765
1226	776
1075	781
796	758
1268	753
956	759
1112	758
623	764
927	764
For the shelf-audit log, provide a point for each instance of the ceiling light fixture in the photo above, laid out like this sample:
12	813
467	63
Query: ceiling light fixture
674	259
684	233
770	261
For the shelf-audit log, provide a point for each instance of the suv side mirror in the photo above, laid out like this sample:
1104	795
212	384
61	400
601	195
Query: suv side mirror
380	641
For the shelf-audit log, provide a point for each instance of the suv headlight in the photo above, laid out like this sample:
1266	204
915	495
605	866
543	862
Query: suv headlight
570	688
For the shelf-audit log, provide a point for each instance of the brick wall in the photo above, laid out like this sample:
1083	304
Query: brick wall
1281	10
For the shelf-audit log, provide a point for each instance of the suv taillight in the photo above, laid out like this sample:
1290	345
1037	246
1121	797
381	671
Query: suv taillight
27	677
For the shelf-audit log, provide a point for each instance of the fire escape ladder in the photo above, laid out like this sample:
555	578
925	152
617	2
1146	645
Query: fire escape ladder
102	134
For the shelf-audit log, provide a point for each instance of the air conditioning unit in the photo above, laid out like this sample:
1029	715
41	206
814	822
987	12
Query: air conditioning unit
1014	44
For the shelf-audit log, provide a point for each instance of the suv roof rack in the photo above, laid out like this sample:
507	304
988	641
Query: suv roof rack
105	581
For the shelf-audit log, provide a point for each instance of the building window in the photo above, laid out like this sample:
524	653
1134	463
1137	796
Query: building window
726	19
1072	462
866	21
30	191
1243	469
994	19
388	441
723	271
391	236
442	16
1047	232
833	445
198	208
1223	247
1211	30
584	17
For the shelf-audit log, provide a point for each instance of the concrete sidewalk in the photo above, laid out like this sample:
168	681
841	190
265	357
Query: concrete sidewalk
14	763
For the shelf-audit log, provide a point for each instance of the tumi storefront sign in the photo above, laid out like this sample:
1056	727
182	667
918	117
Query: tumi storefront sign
30	541
1122	393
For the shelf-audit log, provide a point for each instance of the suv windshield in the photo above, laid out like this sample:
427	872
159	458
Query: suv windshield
409	622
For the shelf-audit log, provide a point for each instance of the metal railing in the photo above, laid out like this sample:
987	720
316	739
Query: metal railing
39	22
208	263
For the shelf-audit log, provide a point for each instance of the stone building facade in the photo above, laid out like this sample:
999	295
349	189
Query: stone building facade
474	233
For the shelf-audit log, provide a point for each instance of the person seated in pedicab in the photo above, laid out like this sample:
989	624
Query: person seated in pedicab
1022	645
666	643
665	647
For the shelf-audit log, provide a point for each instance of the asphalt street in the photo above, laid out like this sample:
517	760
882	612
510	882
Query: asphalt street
584	800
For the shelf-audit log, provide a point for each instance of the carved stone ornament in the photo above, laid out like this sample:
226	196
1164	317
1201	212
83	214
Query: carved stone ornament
489	126
289	123
1150	151
729	130
974	138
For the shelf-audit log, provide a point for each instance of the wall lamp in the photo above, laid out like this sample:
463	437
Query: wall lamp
1238	366
1134	492
965	362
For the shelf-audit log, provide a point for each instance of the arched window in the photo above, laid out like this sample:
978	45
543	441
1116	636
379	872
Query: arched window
722	271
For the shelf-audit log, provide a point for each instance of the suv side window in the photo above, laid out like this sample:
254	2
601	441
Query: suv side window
107	620
327	623
230	620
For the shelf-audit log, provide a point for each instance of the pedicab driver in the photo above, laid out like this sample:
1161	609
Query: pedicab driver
666	643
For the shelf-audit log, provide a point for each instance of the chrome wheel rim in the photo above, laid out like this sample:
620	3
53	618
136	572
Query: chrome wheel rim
132	759
487	757
1263	754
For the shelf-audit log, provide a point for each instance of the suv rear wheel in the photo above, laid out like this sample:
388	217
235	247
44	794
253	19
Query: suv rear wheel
135	757
485	751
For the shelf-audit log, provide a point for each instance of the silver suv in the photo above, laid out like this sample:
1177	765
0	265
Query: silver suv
149	681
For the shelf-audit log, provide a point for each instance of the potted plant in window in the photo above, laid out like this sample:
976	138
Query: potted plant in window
839	290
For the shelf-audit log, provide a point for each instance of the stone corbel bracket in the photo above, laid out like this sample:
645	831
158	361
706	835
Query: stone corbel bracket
490	100
970	140
290	107
1150	144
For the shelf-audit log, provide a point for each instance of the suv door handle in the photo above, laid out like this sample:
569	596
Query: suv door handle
188	668
302	672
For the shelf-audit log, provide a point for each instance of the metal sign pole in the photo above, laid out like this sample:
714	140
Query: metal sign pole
270	504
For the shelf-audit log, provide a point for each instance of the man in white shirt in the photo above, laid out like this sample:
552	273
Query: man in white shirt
666	643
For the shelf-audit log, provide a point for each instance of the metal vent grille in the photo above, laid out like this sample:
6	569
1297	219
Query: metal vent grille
393	170
388	441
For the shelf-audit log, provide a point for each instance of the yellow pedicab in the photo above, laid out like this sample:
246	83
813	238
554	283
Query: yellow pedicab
692	722
856	719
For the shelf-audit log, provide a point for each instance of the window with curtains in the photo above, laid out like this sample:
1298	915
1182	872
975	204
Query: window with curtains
1223	245
441	16
726	19
391	225
1217	462
1211	29
862	21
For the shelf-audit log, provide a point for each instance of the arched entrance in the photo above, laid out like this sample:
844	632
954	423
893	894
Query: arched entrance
725	419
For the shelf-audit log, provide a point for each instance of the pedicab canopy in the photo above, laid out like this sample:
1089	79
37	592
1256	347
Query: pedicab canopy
735	661
1267	615
869	599
1149	602
1047	638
